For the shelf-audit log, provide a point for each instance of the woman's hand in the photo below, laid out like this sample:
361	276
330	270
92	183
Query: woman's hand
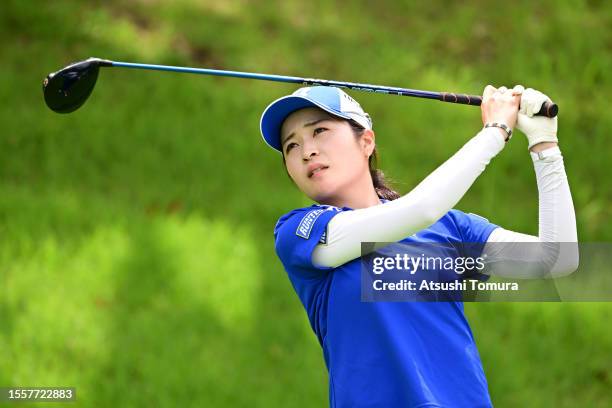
541	131
501	105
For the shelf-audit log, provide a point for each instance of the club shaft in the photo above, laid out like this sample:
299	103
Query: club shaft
548	109
281	78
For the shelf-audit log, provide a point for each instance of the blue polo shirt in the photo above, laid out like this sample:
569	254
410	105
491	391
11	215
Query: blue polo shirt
385	354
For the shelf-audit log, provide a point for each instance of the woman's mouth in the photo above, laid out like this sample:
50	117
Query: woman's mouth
316	171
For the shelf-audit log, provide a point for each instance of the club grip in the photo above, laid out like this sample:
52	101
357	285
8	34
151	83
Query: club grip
548	109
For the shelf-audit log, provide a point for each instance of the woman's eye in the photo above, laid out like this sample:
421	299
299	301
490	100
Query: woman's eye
319	130
289	147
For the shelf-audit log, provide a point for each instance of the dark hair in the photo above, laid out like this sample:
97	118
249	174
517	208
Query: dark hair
381	185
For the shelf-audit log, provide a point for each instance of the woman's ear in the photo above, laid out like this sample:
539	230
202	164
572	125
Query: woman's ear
368	142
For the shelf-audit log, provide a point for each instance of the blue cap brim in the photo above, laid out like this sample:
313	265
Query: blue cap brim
275	114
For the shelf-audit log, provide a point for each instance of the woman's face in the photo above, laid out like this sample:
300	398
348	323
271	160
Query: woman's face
322	154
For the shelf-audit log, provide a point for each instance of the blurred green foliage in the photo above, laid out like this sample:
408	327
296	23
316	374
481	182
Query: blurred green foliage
136	248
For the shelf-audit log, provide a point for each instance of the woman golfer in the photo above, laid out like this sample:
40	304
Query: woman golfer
400	354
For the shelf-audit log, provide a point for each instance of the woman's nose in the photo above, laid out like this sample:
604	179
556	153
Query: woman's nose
310	149
309	155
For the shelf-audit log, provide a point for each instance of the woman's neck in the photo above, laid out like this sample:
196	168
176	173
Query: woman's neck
355	197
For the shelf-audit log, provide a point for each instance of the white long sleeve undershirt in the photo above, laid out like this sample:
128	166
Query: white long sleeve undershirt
440	191
554	252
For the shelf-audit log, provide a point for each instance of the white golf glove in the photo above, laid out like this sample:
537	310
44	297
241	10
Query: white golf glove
538	129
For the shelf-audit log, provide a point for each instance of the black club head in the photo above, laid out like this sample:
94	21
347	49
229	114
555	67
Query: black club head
67	89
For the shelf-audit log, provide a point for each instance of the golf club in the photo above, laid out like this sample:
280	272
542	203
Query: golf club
67	89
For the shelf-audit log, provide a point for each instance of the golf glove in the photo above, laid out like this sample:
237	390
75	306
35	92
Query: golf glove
538	129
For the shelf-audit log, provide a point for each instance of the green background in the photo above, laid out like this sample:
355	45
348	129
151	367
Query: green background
136	248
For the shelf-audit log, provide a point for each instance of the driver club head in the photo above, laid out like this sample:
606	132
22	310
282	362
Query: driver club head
67	89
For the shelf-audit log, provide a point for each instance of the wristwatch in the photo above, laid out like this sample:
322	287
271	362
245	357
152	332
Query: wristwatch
503	126
546	153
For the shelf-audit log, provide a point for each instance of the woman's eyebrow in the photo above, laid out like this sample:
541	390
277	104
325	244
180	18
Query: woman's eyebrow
314	122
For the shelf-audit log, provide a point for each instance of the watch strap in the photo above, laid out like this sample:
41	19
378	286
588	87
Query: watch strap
502	126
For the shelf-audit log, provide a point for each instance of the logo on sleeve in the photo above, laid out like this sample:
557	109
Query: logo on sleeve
305	226
323	239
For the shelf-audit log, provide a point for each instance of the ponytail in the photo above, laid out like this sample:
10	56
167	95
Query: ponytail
381	185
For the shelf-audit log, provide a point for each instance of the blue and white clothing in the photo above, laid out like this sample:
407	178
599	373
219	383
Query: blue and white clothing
385	354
